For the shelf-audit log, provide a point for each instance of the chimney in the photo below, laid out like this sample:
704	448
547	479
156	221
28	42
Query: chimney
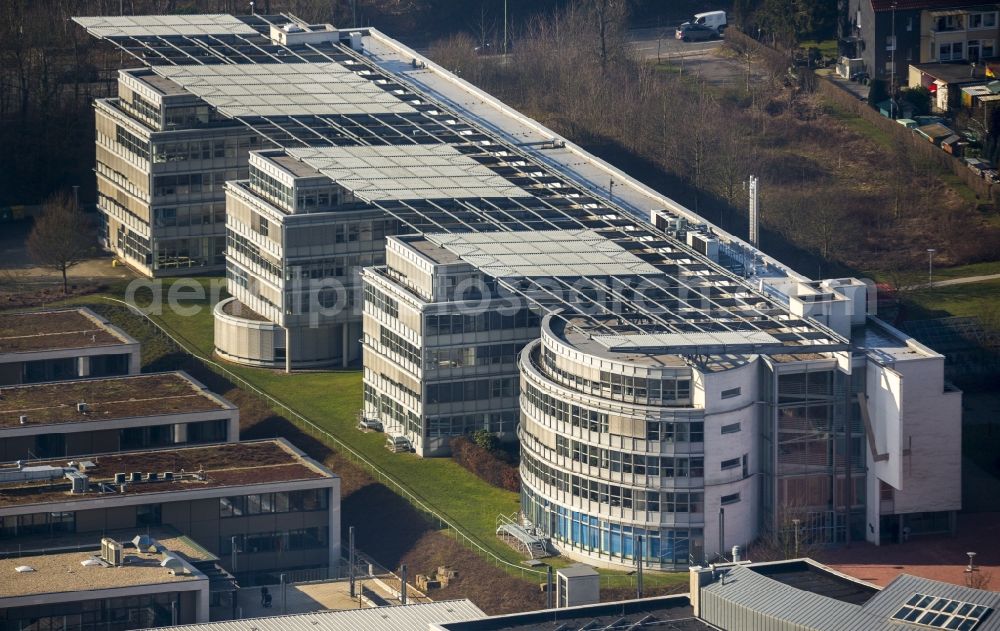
698	578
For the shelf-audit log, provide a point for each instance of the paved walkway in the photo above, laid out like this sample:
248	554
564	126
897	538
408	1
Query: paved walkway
963	280
938	557
954	281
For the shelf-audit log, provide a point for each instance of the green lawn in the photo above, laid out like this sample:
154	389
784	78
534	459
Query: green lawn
976	269
827	47
969	299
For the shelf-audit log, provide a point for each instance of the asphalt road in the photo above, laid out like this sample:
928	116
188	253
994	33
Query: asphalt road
660	43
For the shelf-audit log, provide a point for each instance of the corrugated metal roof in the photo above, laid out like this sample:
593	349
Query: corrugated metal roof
403	618
745	591
889	600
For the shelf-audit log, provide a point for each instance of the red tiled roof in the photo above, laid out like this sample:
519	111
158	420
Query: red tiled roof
902	5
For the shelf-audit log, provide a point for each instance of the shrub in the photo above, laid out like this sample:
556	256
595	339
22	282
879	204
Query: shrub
485	464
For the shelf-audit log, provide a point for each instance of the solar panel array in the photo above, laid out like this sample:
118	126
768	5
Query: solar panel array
301	89
941	613
688	293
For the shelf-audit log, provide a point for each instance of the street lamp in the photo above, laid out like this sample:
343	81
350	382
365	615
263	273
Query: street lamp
892	70
930	265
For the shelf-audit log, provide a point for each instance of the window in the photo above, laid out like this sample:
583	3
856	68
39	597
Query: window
950	52
732	392
909	24
732	463
730	499
259	224
732	428
982	20
890	42
148	515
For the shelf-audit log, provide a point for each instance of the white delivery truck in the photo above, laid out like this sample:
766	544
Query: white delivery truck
712	19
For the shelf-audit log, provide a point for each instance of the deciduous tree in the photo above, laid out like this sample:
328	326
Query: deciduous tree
61	237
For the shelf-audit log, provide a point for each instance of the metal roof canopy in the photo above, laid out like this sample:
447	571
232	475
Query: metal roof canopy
407	172
691	294
292	89
744	342
550	253
164	25
415	617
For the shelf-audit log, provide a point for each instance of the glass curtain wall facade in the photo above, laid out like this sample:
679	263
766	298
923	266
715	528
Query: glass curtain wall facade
163	158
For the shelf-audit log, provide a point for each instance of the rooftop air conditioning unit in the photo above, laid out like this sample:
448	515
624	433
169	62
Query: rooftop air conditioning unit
112	552
79	481
23	419
82	407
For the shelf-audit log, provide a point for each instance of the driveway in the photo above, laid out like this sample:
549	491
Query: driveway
660	44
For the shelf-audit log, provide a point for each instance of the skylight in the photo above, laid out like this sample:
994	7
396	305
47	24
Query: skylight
941	613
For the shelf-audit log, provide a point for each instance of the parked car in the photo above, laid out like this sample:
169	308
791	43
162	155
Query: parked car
372	424
712	19
689	32
398	444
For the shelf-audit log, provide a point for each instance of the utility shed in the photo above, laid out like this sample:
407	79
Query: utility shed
577	584
935	132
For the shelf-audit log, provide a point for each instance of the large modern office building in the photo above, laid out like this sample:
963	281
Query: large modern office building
163	158
678	391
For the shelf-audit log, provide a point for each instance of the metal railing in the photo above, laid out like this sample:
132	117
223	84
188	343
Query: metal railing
381	476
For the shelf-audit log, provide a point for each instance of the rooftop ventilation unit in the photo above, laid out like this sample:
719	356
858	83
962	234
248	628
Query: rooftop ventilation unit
145	543
175	565
23	419
112	552
26	474
80	482
82	407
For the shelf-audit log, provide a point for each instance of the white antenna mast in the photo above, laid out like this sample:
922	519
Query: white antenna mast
754	214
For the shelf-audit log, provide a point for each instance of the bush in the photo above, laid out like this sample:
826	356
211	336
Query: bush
485	439
484	463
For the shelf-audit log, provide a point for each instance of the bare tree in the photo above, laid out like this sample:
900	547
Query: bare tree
61	237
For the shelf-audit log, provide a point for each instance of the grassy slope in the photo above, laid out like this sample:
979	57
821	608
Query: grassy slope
331	399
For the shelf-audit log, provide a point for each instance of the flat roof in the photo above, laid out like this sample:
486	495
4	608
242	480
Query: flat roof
194	468
407	172
107	399
166	536
953	72
63	572
284	89
538	253
162	85
817	579
57	330
667	612
163	25
416	617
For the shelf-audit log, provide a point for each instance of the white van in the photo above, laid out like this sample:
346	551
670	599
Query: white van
711	19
